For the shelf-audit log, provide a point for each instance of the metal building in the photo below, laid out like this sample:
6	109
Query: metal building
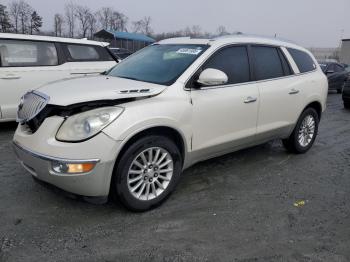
345	51
130	41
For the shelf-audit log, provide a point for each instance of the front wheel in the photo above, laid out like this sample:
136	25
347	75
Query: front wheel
304	133
147	173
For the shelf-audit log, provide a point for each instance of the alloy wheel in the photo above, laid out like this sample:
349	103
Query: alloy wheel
150	173
306	131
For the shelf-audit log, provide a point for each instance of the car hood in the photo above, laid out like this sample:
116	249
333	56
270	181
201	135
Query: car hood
95	88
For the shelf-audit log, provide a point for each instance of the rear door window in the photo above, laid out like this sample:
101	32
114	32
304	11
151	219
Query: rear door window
267	62
233	61
17	53
303	60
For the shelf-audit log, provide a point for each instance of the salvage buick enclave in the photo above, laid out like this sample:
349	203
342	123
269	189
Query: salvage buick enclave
131	132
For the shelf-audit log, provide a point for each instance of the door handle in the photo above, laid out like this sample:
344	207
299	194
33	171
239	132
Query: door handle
293	91
250	99
11	77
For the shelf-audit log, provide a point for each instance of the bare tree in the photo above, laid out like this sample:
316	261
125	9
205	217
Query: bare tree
147	25
196	31
82	13
5	24
104	16
137	26
70	17
143	26
118	21
221	30
25	16
58	24
92	21
14	14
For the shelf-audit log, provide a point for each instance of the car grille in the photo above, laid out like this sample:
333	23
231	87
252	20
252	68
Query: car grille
31	105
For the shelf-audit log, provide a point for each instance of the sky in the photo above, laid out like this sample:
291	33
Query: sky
310	23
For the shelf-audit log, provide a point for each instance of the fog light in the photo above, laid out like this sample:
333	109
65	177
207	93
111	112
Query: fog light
70	168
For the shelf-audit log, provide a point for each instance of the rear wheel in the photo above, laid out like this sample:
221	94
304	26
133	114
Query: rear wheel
304	133
147	173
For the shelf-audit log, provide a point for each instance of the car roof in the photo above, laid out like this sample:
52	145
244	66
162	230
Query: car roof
329	63
51	39
118	49
234	39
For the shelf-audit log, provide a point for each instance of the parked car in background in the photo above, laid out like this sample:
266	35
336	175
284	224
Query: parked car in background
336	73
120	53
131	132
346	94
27	62
347	67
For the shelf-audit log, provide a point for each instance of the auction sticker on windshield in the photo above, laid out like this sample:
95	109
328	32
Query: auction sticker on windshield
189	51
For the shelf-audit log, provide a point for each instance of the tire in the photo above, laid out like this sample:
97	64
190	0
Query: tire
339	91
347	105
154	186
295	143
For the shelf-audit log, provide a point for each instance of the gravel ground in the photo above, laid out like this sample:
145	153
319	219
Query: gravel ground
239	207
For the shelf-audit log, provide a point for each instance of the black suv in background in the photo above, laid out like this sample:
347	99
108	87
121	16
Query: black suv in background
346	94
336	74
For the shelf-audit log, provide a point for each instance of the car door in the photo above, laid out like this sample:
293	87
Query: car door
342	76
25	65
336	76
225	117
280	93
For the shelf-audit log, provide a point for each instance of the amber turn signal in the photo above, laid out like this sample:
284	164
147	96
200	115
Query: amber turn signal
70	168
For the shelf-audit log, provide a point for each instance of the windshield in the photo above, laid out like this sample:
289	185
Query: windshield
159	64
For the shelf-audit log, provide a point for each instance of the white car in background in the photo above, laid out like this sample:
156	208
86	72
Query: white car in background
27	62
132	131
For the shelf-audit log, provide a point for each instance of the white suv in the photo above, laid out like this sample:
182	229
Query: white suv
27	62
131	132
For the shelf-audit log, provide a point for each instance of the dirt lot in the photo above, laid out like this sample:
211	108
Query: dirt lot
239	207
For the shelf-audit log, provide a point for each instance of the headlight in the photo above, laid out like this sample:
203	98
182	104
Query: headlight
87	124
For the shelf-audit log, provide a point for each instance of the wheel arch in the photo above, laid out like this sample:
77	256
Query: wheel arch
167	131
315	105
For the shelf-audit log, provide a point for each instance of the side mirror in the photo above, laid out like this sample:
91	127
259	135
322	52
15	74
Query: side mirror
212	77
328	72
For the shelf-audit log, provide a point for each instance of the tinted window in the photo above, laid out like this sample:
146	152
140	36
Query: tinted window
331	67
15	53
83	52
267	63
233	61
338	68
303	60
285	64
105	55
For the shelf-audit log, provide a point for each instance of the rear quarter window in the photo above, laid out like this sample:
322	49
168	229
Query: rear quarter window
83	53
303	60
86	53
